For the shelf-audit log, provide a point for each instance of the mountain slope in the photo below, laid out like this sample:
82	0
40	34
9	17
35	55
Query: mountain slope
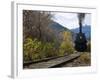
56	26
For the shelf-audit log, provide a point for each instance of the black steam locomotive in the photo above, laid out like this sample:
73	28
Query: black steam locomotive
80	41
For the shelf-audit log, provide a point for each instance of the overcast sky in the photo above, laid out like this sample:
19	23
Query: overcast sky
70	20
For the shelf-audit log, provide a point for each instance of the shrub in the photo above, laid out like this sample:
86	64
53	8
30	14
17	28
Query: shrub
66	48
85	58
35	49
31	50
48	49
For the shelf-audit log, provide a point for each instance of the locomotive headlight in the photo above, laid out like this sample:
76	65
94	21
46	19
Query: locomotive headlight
80	37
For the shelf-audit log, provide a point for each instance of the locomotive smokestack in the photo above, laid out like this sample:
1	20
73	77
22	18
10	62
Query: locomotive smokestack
81	17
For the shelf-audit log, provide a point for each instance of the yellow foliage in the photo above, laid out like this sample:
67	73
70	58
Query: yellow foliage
85	58
66	36
35	49
66	45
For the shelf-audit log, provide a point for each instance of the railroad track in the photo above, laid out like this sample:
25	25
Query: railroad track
51	62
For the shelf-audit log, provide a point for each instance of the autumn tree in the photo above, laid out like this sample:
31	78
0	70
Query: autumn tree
35	25
38	37
66	46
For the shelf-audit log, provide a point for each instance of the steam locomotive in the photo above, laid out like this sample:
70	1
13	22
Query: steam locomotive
80	41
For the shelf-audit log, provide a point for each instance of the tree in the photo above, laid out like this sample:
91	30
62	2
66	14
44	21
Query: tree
66	46
38	37
35	25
